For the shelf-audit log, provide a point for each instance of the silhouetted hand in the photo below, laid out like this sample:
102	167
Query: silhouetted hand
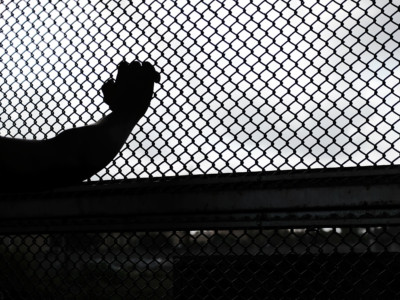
132	91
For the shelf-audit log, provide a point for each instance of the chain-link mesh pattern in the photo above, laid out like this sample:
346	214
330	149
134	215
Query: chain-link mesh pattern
247	86
338	263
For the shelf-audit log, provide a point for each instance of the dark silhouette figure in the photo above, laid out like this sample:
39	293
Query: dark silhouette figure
78	153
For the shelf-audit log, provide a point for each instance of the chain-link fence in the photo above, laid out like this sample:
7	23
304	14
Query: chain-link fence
295	263
247	85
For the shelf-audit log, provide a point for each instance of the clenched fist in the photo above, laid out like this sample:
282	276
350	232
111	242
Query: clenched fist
132	91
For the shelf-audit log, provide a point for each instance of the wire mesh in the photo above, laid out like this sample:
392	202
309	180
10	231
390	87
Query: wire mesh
294	263
247	86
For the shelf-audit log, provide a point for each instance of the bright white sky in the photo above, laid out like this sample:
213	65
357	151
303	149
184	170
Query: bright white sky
230	70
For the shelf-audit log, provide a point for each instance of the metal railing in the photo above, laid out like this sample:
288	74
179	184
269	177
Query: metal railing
304	236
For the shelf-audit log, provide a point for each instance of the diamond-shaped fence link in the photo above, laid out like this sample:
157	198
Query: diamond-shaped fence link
246	85
295	263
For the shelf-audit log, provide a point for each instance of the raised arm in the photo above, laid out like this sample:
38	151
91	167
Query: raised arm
91	148
76	154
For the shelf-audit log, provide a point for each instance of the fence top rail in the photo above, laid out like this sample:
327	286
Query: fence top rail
212	199
273	179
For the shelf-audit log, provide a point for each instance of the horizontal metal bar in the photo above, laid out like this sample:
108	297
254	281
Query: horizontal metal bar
247	201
